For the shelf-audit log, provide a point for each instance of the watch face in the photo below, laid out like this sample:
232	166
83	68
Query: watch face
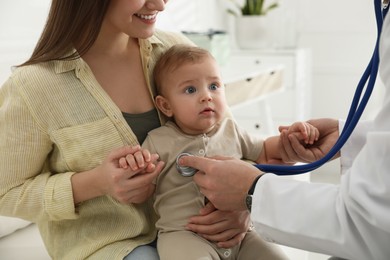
248	201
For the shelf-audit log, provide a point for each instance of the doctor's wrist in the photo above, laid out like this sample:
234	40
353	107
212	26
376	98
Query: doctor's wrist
248	198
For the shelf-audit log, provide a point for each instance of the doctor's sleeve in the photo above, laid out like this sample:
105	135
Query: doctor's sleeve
349	220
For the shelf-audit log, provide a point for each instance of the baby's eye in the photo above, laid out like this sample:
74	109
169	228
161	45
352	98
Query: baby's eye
190	90
213	86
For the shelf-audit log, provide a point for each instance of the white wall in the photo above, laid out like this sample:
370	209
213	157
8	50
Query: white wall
341	35
21	23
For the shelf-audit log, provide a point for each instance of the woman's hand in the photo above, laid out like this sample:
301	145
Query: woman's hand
227	228
292	150
125	184
132	182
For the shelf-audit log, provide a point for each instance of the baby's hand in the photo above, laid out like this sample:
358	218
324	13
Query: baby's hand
305	132
140	160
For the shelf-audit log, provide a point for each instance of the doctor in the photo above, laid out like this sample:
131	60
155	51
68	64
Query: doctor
350	220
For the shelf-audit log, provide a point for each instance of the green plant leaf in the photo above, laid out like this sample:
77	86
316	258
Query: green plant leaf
256	7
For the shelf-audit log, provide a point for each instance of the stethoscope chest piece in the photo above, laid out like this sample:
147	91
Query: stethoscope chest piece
185	171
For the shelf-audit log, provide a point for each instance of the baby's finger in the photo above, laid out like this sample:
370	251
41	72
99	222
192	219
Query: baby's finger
146	155
314	134
123	163
309	134
151	166
287	152
283	127
139	158
302	154
131	161
304	132
115	154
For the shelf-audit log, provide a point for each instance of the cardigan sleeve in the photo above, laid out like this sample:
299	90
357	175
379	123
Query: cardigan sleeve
28	189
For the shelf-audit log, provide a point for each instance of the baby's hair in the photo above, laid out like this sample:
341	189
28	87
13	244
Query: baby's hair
175	57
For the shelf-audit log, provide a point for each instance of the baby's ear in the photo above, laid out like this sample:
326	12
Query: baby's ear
163	104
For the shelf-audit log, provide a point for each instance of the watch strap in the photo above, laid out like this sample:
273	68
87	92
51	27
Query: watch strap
248	198
252	188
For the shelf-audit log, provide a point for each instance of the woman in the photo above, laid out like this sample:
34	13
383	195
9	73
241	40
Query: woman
63	129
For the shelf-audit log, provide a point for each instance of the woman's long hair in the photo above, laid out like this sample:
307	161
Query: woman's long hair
70	23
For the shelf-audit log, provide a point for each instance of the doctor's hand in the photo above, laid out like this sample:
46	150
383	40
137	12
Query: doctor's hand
226	228
224	181
293	150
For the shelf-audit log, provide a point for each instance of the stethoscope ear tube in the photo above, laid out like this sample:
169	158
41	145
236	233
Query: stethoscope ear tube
355	111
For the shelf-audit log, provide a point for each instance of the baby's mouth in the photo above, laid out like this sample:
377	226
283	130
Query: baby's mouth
208	110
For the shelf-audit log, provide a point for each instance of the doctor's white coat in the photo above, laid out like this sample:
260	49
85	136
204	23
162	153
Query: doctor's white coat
350	220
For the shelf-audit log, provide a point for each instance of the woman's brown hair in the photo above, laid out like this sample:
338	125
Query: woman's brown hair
70	23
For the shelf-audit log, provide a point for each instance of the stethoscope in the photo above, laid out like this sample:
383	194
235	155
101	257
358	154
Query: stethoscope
358	105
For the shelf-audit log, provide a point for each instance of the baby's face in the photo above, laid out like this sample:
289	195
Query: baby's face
196	96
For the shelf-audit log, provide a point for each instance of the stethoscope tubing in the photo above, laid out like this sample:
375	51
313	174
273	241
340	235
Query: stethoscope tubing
356	110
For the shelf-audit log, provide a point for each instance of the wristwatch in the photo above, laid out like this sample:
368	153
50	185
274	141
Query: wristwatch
248	198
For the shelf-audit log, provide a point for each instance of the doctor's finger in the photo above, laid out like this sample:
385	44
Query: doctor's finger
281	147
302	154
224	236
220	158
235	240
201	180
294	148
287	152
199	163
